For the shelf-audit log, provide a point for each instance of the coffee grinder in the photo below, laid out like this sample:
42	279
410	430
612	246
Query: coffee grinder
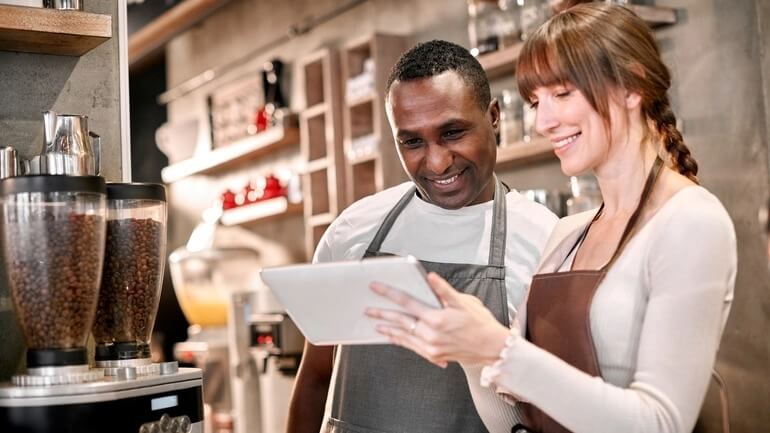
53	230
132	277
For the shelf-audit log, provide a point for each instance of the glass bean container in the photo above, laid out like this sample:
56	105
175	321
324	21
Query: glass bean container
53	230
133	270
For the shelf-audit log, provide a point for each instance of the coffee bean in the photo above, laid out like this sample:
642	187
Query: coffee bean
131	279
55	266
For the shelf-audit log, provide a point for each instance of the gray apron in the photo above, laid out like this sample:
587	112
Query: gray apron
385	388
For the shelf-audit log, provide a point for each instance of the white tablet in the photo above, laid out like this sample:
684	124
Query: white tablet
327	300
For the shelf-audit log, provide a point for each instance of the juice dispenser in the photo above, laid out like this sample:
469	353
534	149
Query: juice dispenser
132	276
204	280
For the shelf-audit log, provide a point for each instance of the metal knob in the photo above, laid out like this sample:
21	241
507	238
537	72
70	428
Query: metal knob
169	368
9	162
126	373
70	5
185	426
165	422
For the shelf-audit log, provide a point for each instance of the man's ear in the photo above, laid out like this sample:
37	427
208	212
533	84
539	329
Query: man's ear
493	111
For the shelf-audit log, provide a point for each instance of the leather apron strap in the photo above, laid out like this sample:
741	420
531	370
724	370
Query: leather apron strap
559	305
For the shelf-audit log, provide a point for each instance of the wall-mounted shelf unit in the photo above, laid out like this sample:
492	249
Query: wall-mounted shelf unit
51	31
371	160
522	153
323	181
275	138
260	211
503	62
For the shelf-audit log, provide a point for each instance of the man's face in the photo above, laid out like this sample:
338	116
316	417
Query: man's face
446	142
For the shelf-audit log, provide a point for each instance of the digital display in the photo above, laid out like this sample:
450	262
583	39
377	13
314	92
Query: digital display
164	402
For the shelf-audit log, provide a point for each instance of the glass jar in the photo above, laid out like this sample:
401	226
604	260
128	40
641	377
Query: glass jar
533	14
529	119
132	275
511	118
53	230
510	23
483	26
585	194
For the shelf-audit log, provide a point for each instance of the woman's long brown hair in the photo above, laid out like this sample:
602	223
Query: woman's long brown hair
597	48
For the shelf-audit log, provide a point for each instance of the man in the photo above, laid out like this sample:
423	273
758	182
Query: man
456	217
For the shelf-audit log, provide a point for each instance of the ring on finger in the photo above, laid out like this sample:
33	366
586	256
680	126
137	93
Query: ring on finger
413	326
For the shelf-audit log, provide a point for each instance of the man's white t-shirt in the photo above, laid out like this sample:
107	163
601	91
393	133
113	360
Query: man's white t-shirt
431	233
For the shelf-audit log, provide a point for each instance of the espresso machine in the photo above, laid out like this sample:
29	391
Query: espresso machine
56	232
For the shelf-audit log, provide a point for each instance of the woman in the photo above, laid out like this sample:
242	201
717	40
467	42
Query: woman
623	321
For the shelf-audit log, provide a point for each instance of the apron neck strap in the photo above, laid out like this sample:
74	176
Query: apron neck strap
497	237
631	225
499	226
390	219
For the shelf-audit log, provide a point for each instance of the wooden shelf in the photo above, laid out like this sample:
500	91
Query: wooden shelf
246	149
51	31
272	208
315	110
370	157
521	153
503	62
323	219
369	97
371	160
323	180
316	164
655	16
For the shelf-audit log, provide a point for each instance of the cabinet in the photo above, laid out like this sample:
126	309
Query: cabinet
323	181
500	63
371	160
50	31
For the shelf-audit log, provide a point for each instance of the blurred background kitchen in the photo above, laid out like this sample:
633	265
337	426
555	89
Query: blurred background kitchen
266	119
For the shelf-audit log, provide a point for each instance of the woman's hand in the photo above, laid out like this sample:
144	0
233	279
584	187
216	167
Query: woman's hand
463	331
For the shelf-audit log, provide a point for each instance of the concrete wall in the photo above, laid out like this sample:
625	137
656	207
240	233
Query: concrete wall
720	93
32	83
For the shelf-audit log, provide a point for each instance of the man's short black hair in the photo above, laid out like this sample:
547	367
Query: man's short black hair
428	59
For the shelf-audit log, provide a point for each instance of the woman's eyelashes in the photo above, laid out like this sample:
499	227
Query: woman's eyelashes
560	93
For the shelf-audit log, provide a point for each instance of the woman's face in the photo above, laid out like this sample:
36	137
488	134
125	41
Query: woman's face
577	132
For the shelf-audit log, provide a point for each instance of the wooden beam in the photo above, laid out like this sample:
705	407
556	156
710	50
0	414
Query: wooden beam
154	36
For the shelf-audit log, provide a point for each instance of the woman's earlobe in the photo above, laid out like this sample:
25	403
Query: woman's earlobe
633	99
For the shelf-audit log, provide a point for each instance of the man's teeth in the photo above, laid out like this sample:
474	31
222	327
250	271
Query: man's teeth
566	141
446	181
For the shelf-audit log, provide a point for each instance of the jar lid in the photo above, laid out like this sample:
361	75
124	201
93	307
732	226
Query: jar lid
52	183
136	191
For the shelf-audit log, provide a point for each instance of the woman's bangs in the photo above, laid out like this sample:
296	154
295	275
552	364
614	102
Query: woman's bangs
539	66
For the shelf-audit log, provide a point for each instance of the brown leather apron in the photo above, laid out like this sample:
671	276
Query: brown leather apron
558	310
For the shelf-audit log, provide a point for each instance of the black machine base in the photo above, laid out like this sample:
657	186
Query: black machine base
56	357
126	415
120	351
